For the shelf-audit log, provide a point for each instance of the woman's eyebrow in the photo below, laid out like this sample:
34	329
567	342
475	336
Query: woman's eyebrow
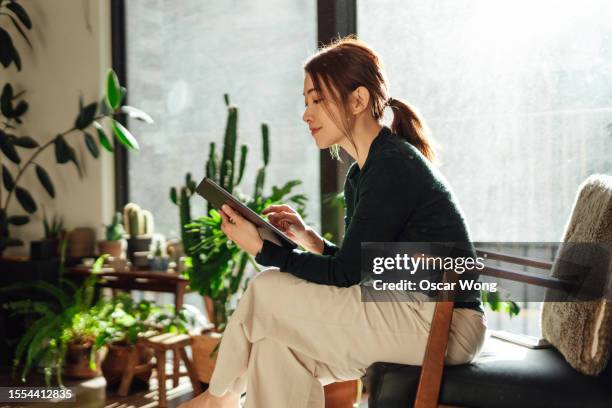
310	90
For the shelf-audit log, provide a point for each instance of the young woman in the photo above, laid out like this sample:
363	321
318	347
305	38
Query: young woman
302	324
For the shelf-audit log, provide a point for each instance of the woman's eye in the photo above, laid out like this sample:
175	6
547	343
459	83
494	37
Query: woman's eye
316	101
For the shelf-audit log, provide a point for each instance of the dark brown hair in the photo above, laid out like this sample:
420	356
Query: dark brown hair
348	63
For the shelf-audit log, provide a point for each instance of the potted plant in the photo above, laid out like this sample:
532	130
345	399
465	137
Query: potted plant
215	266
52	321
114	243
138	224
47	247
122	322
83	355
159	260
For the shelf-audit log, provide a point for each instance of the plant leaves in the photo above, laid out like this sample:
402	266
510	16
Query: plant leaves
91	145
21	14
124	136
113	91
21	108
6	48
103	107
62	150
8	148
103	138
45	180
173	197
25	199
26	142
8	241
18	219
65	153
86	116
25	37
136	113
7	179
6	105
17	61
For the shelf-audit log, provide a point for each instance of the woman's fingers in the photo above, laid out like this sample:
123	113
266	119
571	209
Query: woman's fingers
234	216
278	208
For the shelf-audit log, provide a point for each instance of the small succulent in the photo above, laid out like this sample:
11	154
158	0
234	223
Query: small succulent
53	228
115	230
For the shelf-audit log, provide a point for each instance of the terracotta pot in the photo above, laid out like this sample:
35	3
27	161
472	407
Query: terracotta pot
344	394
202	346
77	361
116	249
116	360
81	242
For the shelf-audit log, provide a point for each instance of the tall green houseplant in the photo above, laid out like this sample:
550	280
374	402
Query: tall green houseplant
216	266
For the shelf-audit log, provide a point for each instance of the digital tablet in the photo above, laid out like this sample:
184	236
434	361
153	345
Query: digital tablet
218	196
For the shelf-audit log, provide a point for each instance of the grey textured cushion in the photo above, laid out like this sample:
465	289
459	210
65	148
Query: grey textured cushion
582	331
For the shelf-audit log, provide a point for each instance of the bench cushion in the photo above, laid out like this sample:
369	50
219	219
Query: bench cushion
504	375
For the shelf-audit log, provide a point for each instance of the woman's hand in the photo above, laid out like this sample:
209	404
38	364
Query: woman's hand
291	224
241	231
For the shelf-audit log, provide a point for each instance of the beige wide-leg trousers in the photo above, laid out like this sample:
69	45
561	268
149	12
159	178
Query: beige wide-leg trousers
288	337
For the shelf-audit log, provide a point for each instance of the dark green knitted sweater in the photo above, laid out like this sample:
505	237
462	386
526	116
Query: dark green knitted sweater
398	196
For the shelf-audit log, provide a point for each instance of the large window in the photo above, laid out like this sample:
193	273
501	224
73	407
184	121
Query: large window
182	58
518	95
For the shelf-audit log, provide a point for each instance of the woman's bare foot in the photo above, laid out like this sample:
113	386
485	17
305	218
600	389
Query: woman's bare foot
207	400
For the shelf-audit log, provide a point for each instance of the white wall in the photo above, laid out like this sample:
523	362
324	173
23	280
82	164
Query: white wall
71	53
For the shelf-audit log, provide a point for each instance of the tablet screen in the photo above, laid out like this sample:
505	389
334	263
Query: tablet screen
218	196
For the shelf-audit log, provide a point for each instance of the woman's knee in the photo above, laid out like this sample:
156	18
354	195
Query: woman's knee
269	281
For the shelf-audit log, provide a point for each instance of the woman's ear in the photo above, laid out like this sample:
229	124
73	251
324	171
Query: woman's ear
359	100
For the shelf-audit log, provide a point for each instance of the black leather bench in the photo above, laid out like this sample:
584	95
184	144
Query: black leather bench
504	375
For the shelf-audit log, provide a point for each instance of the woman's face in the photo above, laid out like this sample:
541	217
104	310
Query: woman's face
322	128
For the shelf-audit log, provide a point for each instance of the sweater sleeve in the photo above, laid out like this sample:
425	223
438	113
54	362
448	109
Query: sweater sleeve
385	202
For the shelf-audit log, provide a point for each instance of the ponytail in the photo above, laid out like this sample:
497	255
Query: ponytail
408	124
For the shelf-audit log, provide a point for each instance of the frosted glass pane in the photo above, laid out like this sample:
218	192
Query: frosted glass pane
182	57
517	93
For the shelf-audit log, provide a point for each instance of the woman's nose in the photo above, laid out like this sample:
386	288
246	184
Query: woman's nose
307	116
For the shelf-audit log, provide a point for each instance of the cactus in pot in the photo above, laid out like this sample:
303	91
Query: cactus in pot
114	243
139	226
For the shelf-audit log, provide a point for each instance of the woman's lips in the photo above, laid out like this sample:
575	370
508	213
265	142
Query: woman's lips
314	130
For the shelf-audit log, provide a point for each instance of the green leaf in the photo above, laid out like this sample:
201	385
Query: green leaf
65	153
25	199
17	61
45	180
136	113
7	178
62	150
18	27
21	14
103	138
6	99
18	219
86	116
21	108
25	142
91	145
7	242
7	50
103	108
124	136
8	148
113	90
